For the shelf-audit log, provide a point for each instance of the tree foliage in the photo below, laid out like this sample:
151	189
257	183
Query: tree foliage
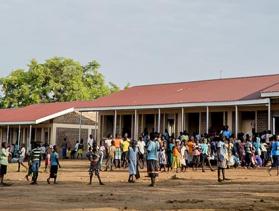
56	80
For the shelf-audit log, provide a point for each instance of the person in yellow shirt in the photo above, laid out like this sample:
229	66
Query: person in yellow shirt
125	148
176	157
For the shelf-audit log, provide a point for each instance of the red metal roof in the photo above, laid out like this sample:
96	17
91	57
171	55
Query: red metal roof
219	90
274	88
37	111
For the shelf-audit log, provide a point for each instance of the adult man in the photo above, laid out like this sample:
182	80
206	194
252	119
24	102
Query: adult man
152	167
275	155
36	162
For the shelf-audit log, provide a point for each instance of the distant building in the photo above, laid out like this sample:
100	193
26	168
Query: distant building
47	123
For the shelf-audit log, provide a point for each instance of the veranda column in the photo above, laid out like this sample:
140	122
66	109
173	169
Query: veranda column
236	120
164	122
114	123
256	121
200	119
182	119
273	125
8	131
159	120
269	115
142	129
29	138
207	119
79	132
18	138
136	125
120	125
96	125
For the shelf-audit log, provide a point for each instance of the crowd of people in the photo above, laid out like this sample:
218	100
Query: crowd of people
158	152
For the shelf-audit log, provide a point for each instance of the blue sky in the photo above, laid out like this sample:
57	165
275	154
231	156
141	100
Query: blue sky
145	41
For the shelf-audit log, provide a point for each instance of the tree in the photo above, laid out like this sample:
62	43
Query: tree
56	80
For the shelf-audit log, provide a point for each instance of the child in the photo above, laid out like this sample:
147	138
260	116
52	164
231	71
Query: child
132	161
68	156
162	157
111	154
117	156
196	157
4	154
176	157
93	156
184	156
47	159
29	173
54	164
80	149
22	153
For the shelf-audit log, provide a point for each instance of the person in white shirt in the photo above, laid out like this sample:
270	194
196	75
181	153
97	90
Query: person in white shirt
22	154
90	141
108	141
141	146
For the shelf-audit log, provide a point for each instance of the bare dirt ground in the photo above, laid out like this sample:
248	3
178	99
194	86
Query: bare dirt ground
249	189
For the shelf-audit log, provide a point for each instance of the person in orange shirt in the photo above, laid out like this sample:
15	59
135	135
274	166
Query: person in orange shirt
176	156
117	154
191	145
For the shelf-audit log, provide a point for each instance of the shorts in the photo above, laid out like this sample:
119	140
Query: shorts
53	171
117	154
21	159
275	160
152	168
3	169
94	170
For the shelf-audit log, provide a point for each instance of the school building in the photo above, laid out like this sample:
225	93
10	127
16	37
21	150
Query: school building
245	104
47	123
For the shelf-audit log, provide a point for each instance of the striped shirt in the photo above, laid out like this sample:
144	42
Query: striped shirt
36	154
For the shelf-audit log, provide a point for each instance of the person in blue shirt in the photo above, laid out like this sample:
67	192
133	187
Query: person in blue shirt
205	155
226	132
152	158
275	155
54	164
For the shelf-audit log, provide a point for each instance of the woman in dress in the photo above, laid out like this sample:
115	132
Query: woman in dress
132	161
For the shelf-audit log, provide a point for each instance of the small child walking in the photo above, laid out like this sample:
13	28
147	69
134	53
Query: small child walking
162	157
54	164
47	159
94	156
111	154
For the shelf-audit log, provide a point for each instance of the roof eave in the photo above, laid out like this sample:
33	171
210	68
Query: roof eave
270	94
178	105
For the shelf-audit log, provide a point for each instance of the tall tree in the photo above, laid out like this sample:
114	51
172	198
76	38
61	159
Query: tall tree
56	80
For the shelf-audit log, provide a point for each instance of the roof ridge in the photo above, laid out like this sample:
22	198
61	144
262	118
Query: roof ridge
205	80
